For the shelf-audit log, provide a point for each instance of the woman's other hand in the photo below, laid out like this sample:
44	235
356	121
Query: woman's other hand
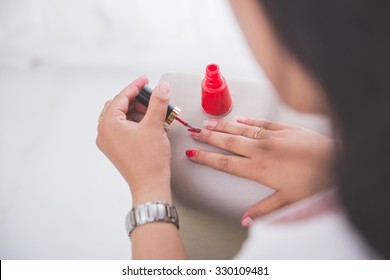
294	161
136	142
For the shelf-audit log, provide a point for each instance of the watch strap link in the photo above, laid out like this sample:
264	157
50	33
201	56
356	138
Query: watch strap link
148	212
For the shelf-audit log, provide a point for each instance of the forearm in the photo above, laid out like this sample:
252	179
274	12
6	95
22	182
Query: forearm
157	240
141	152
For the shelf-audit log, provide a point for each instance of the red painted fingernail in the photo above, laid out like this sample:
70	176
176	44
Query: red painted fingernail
196	130
191	153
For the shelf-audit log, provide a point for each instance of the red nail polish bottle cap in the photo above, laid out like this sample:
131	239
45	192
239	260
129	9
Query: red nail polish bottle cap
216	99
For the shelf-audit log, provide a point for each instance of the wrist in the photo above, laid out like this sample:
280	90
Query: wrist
156	191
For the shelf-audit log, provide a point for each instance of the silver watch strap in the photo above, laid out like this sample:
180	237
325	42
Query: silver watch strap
149	212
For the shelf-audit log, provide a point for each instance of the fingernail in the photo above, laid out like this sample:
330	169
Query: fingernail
246	222
241	119
246	214
191	153
210	123
194	132
164	88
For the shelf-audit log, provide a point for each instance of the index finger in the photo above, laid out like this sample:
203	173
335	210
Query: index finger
120	104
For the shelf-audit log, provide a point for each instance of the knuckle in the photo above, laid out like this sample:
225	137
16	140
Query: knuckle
160	99
229	142
244	131
223	162
102	129
258	211
267	124
101	135
206	135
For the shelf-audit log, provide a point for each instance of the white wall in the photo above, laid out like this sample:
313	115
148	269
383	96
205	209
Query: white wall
169	35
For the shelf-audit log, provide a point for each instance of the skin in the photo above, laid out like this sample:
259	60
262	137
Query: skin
136	143
292	160
139	149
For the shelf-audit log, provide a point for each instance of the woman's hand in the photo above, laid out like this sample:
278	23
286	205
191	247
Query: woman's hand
136	142
294	161
138	146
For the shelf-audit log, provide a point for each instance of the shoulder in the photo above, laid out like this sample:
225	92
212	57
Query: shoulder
315	228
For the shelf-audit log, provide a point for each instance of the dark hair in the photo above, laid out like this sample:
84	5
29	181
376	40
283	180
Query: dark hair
345	46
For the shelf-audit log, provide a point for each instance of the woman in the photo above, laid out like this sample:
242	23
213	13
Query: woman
329	57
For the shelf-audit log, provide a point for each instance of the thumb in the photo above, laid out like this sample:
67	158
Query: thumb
268	204
158	105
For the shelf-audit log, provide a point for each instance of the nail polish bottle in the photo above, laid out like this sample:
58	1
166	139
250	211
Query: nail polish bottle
144	97
216	98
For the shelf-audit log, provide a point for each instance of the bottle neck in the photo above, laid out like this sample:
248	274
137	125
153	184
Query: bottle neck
213	78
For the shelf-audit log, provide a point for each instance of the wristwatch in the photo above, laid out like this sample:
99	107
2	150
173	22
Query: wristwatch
149	212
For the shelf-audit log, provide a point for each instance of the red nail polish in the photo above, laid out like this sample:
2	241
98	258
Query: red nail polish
191	153
194	130
216	99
